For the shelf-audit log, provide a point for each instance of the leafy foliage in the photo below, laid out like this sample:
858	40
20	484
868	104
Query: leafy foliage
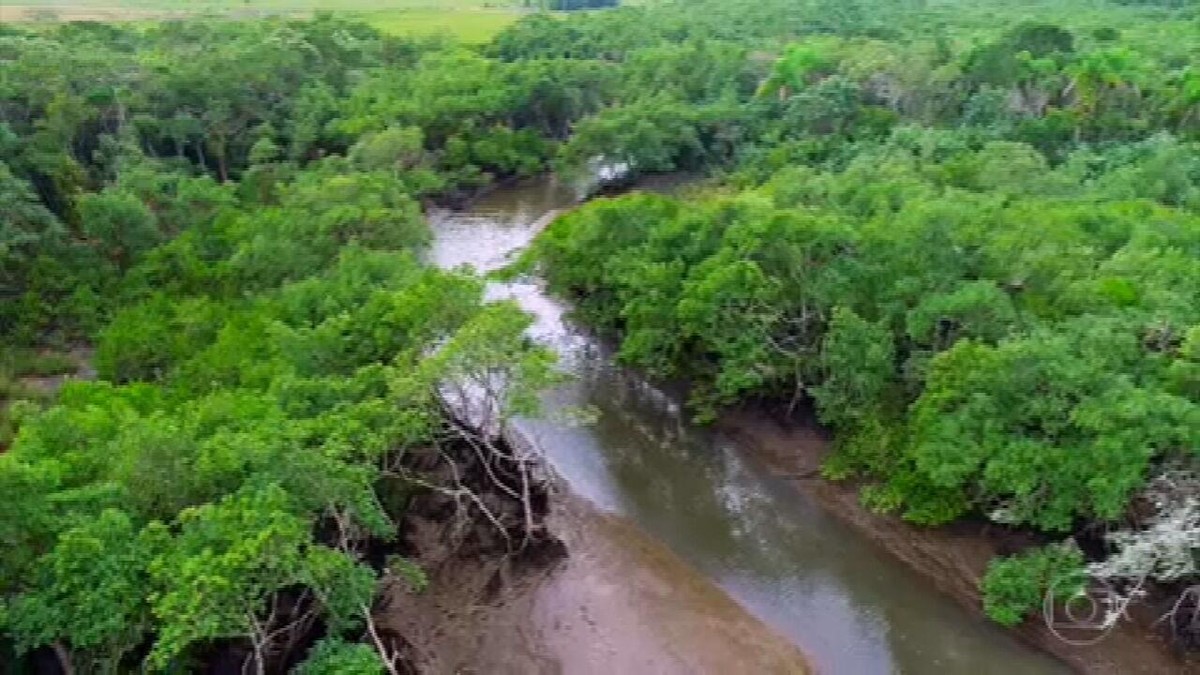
335	657
1015	586
269	346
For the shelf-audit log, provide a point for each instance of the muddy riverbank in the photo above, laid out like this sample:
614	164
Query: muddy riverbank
618	602
952	559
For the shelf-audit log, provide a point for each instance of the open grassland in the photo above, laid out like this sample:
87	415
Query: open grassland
1158	31
468	25
467	20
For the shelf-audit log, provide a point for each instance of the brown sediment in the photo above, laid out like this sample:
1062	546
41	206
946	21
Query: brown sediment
619	602
624	603
953	559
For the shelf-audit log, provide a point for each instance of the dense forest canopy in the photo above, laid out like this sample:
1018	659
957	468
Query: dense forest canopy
968	234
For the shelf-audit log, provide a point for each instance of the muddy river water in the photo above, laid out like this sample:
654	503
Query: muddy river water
822	586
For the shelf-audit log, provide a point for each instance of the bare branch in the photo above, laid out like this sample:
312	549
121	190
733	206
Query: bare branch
385	655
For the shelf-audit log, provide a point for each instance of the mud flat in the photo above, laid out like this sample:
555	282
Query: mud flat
617	602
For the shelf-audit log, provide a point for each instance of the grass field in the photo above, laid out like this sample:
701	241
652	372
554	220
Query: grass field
468	25
467	20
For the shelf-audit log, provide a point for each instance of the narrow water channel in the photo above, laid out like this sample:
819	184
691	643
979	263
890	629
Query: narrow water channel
820	584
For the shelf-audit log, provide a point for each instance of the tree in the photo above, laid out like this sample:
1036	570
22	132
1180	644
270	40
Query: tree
27	230
1048	427
857	362
393	149
799	65
335	657
1006	61
1107	83
119	225
87	597
1015	586
222	574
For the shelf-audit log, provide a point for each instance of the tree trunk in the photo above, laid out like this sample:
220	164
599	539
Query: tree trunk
64	658
221	150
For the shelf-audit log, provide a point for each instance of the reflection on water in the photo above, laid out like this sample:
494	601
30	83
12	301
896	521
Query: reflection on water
847	605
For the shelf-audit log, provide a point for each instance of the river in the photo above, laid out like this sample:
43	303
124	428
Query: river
849	606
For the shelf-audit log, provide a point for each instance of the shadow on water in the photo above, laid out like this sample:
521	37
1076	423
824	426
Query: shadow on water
845	603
